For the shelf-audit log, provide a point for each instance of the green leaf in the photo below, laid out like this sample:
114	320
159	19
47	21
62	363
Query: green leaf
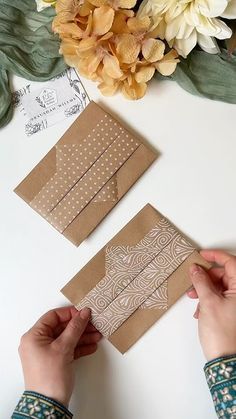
209	75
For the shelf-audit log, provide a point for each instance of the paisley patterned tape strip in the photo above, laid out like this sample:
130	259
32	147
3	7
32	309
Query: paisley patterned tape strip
85	172
143	286
124	263
158	299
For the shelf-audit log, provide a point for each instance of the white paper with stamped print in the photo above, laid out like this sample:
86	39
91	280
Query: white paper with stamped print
43	104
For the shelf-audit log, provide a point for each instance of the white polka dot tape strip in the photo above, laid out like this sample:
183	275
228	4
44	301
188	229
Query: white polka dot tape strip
92	182
108	192
85	172
73	160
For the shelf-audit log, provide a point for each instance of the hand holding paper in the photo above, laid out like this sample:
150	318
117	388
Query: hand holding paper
135	278
48	351
216	311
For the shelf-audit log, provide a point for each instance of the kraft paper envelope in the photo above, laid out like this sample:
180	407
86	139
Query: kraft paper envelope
135	278
86	173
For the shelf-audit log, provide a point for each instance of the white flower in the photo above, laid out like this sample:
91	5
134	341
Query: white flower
34	407
226	395
215	398
225	371
50	414
42	5
22	403
184	23
232	411
211	376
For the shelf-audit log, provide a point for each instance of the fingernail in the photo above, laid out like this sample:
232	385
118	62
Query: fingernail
195	269
85	313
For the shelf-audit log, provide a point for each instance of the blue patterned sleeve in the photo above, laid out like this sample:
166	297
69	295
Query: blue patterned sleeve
36	406
221	377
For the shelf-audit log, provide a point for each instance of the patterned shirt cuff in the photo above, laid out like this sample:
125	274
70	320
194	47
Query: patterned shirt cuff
37	406
221	378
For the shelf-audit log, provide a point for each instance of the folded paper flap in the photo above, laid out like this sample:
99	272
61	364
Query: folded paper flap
46	168
132	233
133	168
87	120
137	324
47	186
111	307
154	306
93	213
72	162
108	192
92	181
83	170
75	135
36	179
124	263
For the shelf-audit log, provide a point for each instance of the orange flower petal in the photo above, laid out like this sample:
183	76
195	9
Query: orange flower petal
138	24
86	46
108	89
126	12
144	74
105	37
95	77
93	62
134	90
85	8
82	66
120	23
62	17
126	4
99	72
102	20
128	48
67	29
88	29
98	3
168	64
69	46
156	29
112	67
153	50
71	60
62	5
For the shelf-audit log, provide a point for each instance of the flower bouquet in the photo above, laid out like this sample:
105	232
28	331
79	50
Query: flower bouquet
122	44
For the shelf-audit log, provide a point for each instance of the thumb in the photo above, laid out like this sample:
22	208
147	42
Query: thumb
202	283
70	336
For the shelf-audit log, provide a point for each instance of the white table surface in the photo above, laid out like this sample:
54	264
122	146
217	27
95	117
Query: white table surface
192	183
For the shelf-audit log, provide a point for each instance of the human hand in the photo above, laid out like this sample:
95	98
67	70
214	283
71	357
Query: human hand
216	310
48	351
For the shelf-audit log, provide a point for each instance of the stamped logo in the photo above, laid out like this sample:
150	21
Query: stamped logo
47	98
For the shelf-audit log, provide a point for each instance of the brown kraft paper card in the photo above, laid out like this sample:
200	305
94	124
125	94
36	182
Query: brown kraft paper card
135	278
86	173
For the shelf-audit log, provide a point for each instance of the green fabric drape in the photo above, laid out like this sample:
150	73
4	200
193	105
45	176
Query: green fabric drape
28	48
212	76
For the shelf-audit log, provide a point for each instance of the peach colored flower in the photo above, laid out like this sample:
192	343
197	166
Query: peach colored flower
107	43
